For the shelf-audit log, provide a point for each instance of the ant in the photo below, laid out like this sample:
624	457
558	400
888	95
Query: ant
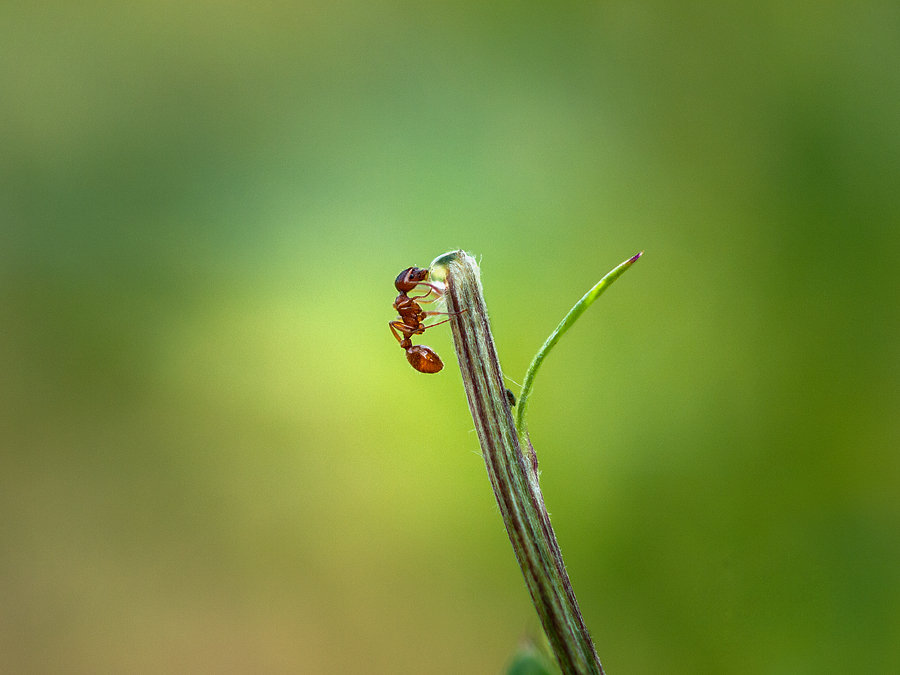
420	357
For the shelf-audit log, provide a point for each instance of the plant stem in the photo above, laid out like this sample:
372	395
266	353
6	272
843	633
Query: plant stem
564	325
513	475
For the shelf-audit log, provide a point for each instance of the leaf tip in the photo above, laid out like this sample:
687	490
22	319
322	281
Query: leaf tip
634	259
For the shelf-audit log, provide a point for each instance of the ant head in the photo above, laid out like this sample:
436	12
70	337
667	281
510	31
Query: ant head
409	278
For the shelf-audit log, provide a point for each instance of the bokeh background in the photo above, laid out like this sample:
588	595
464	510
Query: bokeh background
215	459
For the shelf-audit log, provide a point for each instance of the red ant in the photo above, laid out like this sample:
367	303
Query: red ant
420	357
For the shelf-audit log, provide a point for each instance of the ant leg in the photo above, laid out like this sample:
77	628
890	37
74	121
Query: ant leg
450	314
431	289
420	297
444	321
447	313
394	330
399	328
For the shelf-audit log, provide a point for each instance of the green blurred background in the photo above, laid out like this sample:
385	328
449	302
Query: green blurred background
215	459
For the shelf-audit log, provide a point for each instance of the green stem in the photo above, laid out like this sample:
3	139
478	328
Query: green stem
513	475
564	325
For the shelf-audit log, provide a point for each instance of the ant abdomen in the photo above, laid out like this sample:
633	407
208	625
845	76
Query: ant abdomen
424	359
